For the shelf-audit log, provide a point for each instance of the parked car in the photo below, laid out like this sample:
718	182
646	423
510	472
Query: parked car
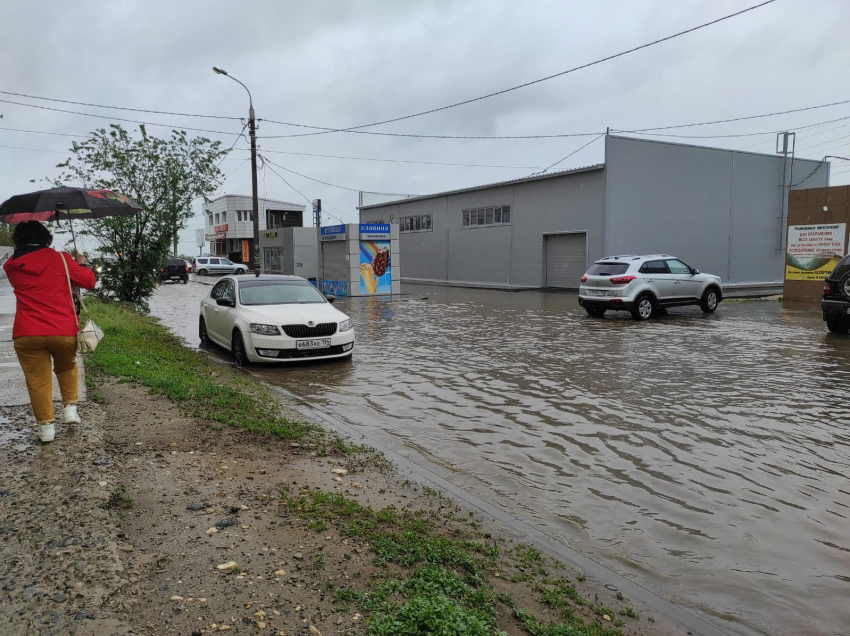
205	265
644	285
102	264
174	269
835	303
273	318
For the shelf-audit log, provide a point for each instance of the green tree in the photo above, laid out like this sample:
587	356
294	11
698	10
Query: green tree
6	234
164	176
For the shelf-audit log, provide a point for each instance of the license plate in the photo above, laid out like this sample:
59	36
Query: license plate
594	292
322	343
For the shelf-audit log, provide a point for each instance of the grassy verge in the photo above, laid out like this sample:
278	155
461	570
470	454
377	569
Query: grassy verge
136	348
440	575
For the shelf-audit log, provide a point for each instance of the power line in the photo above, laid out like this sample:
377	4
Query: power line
132	121
427	163
60	152
415	136
574	152
135	110
229	150
281	177
334	185
542	79
42	132
726	121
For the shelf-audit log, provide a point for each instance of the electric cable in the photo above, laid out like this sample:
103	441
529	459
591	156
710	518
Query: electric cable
574	152
132	121
135	110
543	79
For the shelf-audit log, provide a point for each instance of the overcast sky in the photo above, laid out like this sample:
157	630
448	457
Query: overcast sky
348	62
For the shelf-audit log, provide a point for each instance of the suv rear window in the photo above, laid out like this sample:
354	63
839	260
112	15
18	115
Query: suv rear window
607	269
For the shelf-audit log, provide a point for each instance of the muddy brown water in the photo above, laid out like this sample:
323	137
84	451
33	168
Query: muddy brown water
705	457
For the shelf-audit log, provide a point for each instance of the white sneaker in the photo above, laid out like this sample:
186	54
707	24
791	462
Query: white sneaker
46	432
70	414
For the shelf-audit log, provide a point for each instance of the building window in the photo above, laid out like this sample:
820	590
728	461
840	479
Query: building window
421	223
238	215
498	215
217	217
244	215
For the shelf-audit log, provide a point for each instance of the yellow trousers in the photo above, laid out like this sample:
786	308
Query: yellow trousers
34	354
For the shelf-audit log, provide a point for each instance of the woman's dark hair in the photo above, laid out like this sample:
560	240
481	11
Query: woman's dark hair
31	233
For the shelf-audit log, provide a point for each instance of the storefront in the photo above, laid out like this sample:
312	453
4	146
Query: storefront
359	260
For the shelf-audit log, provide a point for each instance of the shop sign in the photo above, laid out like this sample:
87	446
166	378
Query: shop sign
335	287
220	228
374	231
814	250
246	251
217	236
333	233
375	276
269	234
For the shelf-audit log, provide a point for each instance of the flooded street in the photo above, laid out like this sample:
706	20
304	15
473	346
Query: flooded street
707	458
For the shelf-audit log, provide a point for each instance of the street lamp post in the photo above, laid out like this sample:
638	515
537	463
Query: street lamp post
252	131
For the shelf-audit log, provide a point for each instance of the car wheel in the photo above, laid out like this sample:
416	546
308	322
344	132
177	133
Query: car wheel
594	313
185	280
644	307
240	271
838	325
237	348
202	333
844	286
202	272
709	301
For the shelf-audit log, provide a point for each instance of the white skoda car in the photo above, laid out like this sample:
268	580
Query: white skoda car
274	319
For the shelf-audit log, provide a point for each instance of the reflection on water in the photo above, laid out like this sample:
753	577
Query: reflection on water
706	457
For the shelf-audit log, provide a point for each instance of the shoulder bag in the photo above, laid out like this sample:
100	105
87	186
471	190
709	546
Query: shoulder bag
90	335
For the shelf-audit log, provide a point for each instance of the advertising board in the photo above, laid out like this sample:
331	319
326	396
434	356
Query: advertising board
814	250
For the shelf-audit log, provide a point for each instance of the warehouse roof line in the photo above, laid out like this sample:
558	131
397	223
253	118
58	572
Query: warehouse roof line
497	184
571	171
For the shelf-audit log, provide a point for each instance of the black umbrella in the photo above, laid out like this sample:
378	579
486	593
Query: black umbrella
66	203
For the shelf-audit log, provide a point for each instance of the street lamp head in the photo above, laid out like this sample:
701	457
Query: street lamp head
219	70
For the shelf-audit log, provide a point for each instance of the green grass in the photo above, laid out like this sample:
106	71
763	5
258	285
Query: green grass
437	584
136	348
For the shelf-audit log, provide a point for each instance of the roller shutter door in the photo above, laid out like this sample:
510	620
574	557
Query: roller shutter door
566	260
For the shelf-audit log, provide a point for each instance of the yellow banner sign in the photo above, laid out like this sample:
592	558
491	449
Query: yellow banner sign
814	250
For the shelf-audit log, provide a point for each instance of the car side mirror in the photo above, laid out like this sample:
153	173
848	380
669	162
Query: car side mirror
330	299
225	302
694	271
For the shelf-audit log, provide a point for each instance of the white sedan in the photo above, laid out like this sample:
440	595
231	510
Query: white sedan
273	319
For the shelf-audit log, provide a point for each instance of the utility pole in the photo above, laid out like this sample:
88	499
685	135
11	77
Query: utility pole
785	144
252	130
317	220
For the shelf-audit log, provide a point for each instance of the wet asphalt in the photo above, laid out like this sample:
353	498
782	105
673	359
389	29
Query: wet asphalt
706	458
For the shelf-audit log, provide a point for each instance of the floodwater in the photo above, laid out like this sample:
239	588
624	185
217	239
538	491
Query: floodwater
705	457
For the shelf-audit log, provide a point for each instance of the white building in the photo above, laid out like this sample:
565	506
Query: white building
229	228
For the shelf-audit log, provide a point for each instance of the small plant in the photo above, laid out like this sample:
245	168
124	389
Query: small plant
628	611
117	499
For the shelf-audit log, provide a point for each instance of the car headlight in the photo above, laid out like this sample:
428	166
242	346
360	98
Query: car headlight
265	330
346	325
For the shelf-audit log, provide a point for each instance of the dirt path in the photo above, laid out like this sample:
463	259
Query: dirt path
120	528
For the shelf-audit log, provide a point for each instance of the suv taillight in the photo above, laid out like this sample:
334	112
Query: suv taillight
584	279
622	280
827	288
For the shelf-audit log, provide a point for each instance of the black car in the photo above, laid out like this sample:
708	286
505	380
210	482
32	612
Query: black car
175	269
836	298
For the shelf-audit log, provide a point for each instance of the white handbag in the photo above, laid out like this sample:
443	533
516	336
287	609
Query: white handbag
90	335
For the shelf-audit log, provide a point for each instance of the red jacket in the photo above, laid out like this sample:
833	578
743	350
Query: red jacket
45	306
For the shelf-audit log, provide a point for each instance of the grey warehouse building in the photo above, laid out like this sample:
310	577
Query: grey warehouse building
721	211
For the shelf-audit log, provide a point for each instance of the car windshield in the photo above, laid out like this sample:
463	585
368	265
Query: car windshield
274	292
607	269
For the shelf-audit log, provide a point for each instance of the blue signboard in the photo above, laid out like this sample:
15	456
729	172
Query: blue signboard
335	287
334	229
374	231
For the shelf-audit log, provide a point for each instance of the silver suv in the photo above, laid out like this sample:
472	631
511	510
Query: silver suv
644	285
204	265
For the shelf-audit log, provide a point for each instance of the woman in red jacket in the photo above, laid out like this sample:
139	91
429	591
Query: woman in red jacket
46	323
